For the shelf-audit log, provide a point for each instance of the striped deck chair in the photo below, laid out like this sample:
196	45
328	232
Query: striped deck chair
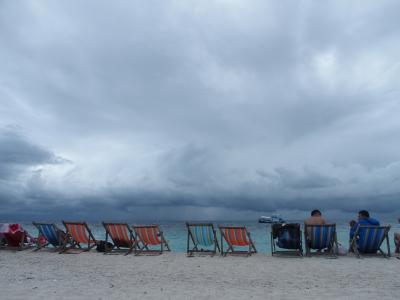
368	240
321	237
52	234
78	234
201	234
287	237
236	236
149	236
121	235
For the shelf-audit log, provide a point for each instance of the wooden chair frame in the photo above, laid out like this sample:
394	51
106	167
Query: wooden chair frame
61	235
354	247
192	247
133	241
75	244
333	244
144	249
230	250
298	251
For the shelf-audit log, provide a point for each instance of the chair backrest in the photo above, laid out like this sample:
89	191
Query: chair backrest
370	238
203	234
288	235
50	232
148	234
78	231
320	236
235	235
119	233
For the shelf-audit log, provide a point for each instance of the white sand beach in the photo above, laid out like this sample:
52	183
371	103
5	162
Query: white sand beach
47	275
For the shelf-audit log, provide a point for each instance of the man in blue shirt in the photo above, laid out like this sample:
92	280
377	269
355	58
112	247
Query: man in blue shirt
363	219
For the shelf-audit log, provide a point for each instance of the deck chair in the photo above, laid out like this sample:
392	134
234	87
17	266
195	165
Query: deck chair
121	235
367	240
149	236
201	235
16	238
53	235
78	234
321	238
288	237
236	236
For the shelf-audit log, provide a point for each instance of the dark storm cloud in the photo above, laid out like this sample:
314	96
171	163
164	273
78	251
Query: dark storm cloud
212	109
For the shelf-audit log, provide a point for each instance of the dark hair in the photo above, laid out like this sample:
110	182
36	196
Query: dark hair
364	213
315	212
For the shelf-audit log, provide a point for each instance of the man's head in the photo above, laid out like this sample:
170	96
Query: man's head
363	214
316	213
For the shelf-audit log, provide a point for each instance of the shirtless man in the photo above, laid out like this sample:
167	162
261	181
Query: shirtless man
315	219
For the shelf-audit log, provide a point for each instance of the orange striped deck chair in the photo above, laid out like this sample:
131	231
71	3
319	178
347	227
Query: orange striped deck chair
236	236
150	236
121	235
78	234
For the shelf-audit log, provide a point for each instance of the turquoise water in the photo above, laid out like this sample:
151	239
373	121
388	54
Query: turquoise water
176	233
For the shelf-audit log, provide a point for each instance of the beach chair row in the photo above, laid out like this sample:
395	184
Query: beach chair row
143	238
78	236
322	239
202	238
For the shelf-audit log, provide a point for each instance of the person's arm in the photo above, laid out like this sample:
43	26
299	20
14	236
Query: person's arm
353	230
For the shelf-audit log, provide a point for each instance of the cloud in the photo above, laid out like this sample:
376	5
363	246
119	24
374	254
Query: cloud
216	109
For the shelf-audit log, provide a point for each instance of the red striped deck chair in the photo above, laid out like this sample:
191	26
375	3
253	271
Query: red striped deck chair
121	235
78	234
150	236
236	236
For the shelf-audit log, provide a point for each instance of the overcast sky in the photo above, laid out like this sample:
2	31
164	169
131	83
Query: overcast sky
198	109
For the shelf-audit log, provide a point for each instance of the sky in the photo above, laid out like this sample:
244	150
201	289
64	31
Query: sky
191	110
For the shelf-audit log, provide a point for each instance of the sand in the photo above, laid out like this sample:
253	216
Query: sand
48	275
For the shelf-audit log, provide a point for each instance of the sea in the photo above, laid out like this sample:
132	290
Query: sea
176	233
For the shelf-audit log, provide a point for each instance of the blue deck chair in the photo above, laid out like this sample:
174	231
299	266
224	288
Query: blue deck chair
287	237
202	238
53	235
319	238
369	239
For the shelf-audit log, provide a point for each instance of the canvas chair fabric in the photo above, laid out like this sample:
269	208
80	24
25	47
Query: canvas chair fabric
201	235
321	237
369	239
150	235
287	237
51	233
121	235
236	236
79	233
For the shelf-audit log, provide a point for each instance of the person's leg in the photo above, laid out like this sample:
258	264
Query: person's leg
397	242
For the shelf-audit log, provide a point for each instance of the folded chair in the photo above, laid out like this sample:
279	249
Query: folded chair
78	233
201	235
52	234
288	237
367	240
148	236
16	238
236	236
121	235
321	238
